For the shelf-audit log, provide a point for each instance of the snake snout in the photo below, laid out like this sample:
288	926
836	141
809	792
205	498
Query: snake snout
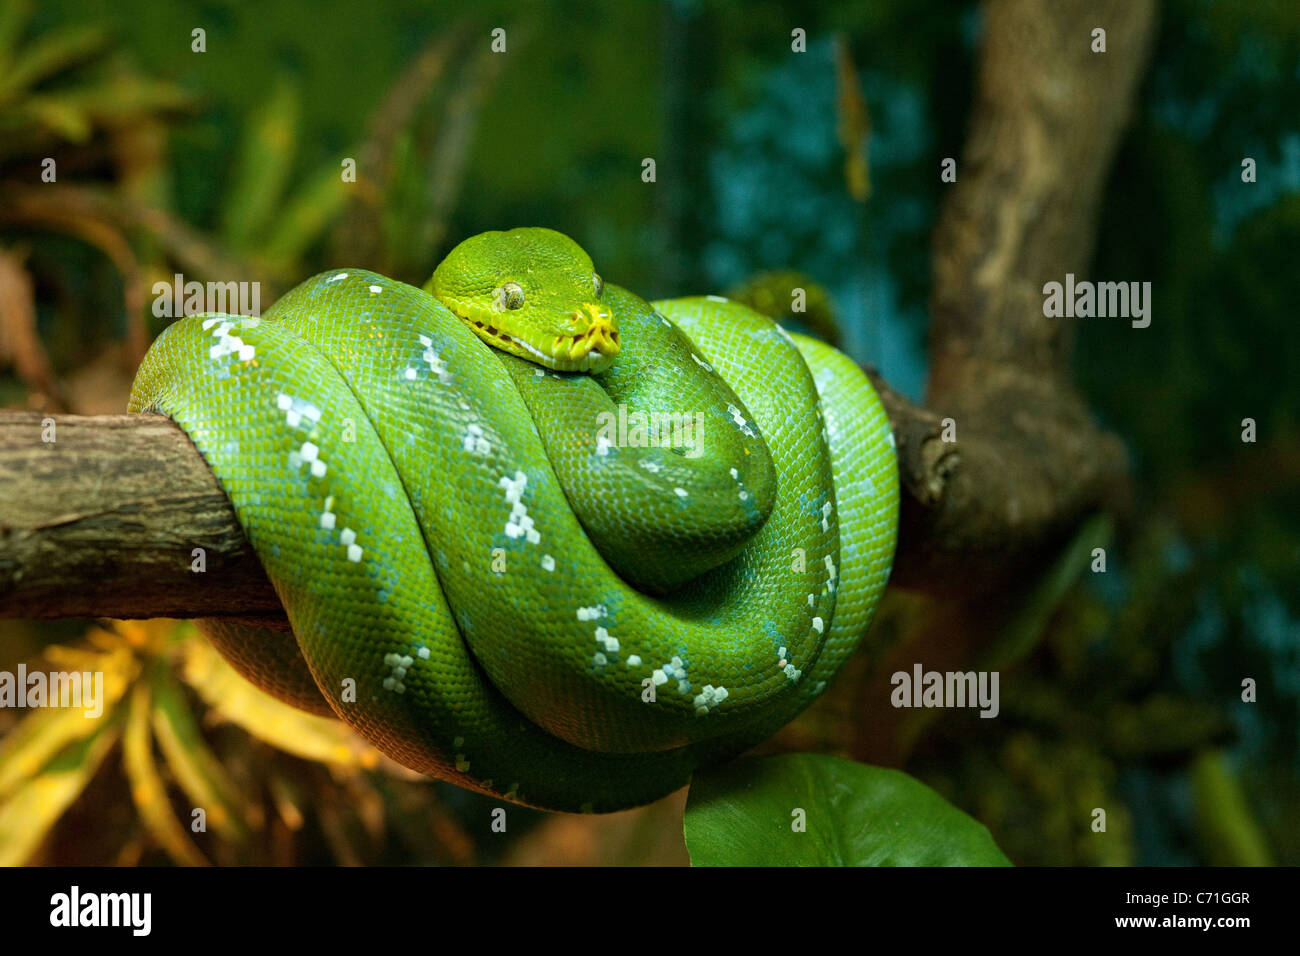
602	334
600	337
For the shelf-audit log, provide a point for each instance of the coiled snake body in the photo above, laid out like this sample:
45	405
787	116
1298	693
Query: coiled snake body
626	540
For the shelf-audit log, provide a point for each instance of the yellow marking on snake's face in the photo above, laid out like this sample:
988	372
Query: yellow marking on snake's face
533	293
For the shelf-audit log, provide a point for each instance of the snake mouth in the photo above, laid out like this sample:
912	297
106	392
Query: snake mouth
600	339
591	350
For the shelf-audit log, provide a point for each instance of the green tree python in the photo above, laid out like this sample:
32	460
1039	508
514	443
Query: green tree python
533	534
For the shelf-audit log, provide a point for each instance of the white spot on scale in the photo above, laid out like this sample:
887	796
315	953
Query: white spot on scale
548	563
399	663
634	660
818	625
347	536
740	420
717	298
680	492
609	643
435	363
376	289
708	698
519	524
336	278
354	553
475	443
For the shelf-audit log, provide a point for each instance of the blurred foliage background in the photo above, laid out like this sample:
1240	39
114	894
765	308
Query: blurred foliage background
1120	690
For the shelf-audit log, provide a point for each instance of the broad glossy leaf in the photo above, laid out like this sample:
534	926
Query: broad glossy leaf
750	812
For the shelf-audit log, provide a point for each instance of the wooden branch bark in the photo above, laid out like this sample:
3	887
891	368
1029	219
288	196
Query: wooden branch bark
103	520
1029	461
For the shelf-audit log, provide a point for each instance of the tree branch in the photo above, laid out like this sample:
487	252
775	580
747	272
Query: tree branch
1029	462
103	521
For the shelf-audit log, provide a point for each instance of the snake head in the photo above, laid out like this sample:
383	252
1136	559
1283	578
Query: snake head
533	293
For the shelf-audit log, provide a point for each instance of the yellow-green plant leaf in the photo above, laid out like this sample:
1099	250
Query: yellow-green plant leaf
45	732
57	116
14	17
147	788
263	167
313	207
1226	825
126	98
283	727
49	55
196	769
28	814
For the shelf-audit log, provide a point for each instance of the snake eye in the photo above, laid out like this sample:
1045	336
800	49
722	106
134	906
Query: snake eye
599	283
510	296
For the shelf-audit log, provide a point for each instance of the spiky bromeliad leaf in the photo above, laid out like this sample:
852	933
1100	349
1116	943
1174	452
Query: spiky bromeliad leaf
32	808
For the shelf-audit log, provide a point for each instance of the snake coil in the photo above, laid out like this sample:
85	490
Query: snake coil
568	567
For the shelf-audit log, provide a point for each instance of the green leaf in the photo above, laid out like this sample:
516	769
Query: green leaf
745	813
14	17
1226	825
49	55
305	215
264	165
148	789
194	766
286	728
29	813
